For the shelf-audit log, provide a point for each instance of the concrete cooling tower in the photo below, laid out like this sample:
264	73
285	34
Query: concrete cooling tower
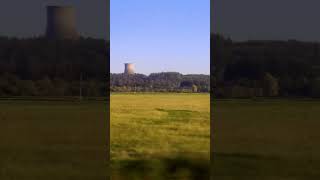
61	22
129	68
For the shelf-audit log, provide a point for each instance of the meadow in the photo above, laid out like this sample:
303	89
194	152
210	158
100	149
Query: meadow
155	136
151	125
66	139
266	139
155	131
52	139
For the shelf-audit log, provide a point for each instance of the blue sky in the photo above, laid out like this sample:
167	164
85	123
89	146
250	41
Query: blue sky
161	35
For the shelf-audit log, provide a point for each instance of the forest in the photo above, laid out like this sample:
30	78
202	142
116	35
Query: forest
160	82
42	67
264	68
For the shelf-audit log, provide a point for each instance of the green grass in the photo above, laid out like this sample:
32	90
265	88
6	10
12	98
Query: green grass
158	131
151	125
52	140
270	139
167	134
156	136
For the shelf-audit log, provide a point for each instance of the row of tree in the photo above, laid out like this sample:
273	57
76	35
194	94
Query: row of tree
43	67
38	66
36	58
159	82
11	85
252	68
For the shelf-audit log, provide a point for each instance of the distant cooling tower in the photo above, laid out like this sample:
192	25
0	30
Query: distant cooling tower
128	68
61	22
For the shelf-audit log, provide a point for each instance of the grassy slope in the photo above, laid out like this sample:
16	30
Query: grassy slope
52	140
272	139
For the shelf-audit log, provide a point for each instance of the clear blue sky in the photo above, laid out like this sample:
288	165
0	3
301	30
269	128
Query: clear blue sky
161	35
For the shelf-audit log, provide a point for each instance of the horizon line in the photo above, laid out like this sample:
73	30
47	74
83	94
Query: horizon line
163	72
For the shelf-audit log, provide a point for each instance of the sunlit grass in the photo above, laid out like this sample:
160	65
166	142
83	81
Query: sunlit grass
160	136
159	125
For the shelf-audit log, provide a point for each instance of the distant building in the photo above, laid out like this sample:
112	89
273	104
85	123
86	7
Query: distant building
61	23
128	68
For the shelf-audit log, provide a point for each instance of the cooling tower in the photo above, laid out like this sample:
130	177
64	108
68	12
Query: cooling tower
61	22
128	68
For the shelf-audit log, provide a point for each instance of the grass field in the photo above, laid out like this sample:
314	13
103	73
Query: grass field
149	125
159	126
52	140
57	139
271	139
154	134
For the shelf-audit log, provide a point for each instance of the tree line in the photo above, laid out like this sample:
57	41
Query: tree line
41	67
264	68
159	82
